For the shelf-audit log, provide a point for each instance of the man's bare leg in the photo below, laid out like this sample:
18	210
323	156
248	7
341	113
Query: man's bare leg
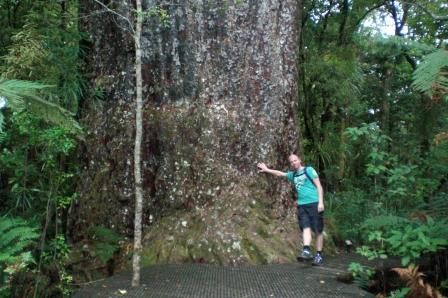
307	236
319	242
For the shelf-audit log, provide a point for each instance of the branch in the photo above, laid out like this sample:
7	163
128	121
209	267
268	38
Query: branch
85	16
307	12
117	14
435	17
360	19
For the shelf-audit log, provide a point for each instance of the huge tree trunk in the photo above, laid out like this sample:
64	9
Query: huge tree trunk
220	88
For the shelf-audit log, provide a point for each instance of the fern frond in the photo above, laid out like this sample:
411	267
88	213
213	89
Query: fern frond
25	95
24	233
413	279
15	236
16	90
106	242
54	114
411	275
9	223
431	76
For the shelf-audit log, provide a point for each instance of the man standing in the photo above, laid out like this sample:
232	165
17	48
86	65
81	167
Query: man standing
310	202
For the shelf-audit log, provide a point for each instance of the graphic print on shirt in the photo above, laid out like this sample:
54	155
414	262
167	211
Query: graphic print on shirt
299	181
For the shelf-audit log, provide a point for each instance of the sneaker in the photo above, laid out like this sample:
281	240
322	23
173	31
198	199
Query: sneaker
318	260
305	255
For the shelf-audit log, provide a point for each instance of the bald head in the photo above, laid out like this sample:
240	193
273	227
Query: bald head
294	161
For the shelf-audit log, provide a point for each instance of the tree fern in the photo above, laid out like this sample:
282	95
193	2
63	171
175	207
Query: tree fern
431	76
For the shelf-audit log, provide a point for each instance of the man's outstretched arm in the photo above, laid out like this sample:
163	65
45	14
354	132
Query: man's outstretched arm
262	168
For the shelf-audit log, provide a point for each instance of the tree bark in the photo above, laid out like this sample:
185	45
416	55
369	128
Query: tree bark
220	88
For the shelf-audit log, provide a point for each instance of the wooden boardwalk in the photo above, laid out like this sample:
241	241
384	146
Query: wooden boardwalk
200	280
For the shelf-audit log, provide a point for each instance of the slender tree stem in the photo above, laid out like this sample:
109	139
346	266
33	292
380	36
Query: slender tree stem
137	149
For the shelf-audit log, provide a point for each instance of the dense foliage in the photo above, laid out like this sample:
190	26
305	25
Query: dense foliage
373	111
372	114
42	85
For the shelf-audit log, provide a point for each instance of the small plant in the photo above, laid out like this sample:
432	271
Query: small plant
161	14
444	284
400	293
66	284
396	236
106	242
407	239
412	241
58	250
361	274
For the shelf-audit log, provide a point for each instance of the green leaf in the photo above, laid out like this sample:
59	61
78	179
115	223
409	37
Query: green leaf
405	260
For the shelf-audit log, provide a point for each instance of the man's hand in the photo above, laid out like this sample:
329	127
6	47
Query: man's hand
320	207
261	167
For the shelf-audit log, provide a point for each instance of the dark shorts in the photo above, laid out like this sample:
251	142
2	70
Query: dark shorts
310	218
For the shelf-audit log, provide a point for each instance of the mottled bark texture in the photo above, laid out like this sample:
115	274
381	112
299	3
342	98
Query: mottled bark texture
219	89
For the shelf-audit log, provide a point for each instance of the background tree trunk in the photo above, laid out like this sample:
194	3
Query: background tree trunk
219	90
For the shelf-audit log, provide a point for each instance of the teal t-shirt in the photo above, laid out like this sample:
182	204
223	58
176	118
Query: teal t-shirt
306	191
